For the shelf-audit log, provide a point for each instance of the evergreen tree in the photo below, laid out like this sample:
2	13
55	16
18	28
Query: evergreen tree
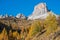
50	23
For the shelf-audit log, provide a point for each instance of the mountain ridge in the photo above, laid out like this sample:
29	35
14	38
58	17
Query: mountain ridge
40	12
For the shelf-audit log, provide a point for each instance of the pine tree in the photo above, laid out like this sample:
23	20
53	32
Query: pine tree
4	33
35	28
50	23
15	34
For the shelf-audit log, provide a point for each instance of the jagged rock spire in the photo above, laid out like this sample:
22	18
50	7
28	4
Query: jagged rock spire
21	16
40	11
40	8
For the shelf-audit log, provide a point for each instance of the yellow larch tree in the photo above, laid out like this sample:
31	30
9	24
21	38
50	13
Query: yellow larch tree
50	23
35	28
4	35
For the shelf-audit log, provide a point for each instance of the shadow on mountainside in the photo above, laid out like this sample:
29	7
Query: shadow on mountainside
7	28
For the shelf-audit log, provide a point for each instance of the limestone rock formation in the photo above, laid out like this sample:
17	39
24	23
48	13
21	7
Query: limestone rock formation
21	16
40	12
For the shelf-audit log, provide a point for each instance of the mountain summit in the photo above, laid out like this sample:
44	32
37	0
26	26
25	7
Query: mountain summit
40	12
21	16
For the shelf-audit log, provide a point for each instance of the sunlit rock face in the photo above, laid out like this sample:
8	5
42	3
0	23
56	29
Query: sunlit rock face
21	16
40	12
40	9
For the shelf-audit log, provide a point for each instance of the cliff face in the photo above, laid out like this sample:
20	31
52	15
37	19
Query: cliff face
40	12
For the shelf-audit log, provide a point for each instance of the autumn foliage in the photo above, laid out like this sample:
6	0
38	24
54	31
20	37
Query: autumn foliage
50	23
29	30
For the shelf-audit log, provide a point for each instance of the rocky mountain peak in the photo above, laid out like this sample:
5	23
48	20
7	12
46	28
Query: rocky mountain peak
21	16
40	8
40	11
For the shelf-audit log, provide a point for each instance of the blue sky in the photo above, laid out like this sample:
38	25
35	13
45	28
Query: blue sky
13	7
